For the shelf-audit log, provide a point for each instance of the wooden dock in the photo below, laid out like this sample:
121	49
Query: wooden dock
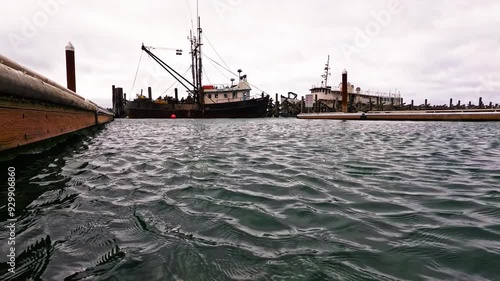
34	108
473	115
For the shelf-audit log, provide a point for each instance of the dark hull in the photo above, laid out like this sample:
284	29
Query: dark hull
253	108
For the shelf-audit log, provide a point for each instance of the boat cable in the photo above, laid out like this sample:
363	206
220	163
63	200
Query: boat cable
176	82
136	72
210	83
231	72
204	34
214	61
211	61
190	14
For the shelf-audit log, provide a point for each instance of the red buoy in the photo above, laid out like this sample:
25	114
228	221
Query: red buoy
173	116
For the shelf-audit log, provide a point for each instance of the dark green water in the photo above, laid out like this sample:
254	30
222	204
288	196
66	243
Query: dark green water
268	199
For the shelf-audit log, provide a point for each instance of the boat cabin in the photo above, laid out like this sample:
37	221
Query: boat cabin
227	93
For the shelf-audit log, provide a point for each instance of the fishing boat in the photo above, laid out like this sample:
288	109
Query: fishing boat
330	99
232	100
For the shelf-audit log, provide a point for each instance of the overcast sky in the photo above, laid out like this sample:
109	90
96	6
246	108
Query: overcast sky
431	49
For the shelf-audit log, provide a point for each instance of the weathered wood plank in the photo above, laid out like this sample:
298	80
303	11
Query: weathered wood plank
26	125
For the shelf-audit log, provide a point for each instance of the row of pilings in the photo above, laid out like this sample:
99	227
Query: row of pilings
289	107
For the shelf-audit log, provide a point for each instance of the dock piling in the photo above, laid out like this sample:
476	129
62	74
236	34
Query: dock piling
344	91
70	67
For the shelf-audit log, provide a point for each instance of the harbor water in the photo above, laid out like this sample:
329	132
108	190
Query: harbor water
260	199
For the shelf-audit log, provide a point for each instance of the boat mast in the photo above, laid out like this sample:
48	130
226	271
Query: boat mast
193	67
327	71
200	66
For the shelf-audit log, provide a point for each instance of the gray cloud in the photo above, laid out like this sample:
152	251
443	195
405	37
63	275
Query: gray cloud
430	49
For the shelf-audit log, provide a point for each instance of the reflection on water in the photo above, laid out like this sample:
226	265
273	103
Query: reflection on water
267	199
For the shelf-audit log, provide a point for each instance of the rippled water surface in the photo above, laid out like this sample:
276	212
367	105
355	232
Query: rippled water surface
267	199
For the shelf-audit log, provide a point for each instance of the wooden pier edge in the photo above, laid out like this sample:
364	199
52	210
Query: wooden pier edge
34	109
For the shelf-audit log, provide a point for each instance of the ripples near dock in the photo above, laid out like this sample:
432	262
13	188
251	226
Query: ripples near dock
264	199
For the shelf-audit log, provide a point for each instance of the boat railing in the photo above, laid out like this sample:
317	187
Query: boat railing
221	87
381	94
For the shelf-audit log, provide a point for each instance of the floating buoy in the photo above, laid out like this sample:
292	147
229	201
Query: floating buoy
173	116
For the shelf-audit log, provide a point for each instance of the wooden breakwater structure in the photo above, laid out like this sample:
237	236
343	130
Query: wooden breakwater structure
34	108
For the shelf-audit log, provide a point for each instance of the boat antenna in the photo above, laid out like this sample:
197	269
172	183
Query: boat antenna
327	71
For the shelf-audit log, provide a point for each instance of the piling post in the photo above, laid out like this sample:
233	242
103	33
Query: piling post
113	92
119	101
277	105
344	91
70	67
150	93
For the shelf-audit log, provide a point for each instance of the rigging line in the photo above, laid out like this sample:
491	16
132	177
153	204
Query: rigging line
216	51
231	72
208	79
228	70
158	60
190	14
220	71
176	82
136	72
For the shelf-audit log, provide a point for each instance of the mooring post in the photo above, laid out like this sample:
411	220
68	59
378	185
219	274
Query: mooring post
70	67
150	93
277	105
119	101
114	98
344	91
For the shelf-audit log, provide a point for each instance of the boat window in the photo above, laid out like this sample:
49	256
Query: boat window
216	96
235	95
225	96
